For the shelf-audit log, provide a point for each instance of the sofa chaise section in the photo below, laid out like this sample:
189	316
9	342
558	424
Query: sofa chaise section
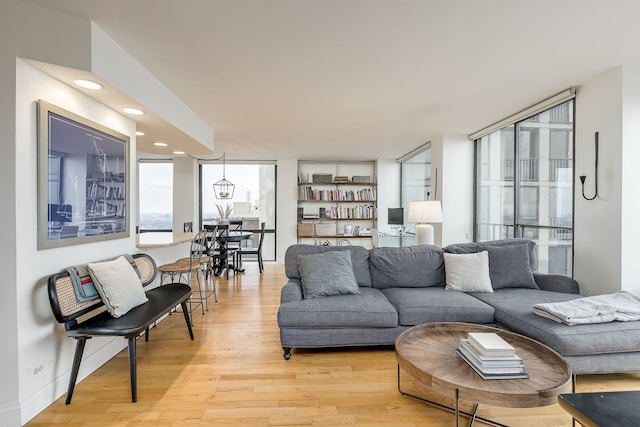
599	348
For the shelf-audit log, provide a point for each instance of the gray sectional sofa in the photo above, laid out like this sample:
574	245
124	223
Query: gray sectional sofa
402	287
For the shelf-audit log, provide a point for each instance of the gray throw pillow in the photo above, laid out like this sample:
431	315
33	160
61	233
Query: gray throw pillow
326	274
509	266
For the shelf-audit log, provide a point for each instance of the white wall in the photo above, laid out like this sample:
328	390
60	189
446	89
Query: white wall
630	235
452	158
597	223
287	205
388	180
9	399
186	206
41	341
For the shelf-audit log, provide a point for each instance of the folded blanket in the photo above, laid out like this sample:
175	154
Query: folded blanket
82	281
622	306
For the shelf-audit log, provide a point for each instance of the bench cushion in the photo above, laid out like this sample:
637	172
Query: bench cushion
369	308
424	305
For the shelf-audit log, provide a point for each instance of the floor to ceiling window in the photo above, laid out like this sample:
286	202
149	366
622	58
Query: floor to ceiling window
253	201
524	185
155	190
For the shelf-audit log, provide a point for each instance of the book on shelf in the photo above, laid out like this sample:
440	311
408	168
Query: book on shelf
490	344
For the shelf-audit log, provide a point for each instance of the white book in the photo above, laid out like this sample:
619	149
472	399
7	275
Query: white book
488	361
518	374
490	343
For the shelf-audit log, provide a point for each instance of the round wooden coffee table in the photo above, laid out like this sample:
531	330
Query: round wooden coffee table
428	354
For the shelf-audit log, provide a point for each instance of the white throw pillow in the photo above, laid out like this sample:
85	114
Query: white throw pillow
467	272
118	285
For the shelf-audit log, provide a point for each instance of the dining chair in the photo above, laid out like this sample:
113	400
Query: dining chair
224	257
253	250
184	270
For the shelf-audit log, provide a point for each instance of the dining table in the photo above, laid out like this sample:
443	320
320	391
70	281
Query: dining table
224	236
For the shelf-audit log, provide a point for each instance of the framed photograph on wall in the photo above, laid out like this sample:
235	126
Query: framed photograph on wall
83	182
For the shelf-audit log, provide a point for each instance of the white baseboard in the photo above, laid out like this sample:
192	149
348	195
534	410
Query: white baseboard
10	416
37	402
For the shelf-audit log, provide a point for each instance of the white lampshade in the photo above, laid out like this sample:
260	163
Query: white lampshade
429	211
424	212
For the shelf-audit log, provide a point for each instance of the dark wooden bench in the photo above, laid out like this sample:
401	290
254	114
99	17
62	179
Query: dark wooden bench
84	320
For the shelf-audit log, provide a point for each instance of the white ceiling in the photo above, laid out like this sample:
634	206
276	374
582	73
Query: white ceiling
362	79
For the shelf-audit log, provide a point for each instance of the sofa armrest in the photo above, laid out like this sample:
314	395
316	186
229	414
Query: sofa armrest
556	283
291	291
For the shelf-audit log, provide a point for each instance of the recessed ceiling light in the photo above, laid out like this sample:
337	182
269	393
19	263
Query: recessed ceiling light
160	144
178	152
133	111
139	133
88	84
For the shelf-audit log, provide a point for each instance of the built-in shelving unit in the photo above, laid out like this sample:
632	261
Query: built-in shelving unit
337	202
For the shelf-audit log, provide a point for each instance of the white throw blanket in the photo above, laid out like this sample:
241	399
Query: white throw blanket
622	306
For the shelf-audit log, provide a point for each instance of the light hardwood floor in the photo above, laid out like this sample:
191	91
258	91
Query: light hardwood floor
234	374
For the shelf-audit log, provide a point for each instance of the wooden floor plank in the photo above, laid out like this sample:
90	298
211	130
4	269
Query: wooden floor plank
234	374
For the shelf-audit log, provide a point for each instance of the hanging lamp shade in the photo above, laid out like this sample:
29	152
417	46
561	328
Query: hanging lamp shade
224	188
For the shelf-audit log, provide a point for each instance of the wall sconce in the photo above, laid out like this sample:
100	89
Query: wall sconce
425	213
583	178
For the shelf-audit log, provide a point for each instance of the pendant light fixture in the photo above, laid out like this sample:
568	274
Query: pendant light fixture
223	189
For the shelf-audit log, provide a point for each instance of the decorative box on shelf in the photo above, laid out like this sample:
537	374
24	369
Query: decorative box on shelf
305	230
361	179
325	229
322	178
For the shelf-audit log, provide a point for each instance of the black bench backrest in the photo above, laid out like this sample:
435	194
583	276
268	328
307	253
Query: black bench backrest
66	307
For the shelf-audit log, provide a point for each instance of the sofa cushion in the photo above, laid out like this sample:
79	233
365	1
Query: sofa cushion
514	309
467	272
359	260
407	267
326	274
423	305
368	309
509	266
472	247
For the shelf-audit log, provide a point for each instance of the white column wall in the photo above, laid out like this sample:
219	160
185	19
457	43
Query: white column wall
452	157
630	154
598	223
185	193
287	203
388	181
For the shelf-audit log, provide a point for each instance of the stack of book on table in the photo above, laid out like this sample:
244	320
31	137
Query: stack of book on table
491	356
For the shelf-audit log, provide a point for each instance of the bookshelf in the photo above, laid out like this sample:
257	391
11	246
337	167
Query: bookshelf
337	202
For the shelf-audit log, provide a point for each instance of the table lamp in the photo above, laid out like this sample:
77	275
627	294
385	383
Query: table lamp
424	213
